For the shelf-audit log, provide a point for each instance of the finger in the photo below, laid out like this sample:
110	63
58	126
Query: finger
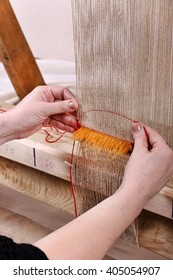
66	106
61	93
139	135
68	94
66	119
71	114
62	126
155	138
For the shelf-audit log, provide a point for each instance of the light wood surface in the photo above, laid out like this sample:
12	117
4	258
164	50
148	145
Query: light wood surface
39	195
31	196
36	184
20	228
156	233
55	158
15	53
21	213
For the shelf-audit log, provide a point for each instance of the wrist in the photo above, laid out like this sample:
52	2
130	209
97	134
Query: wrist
133	200
7	124
136	188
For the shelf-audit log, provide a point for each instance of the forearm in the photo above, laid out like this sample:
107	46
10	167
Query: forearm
92	234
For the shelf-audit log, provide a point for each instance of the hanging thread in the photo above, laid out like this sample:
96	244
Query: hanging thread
49	136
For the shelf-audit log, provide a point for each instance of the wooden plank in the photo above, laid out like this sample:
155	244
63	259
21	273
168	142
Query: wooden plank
38	211
50	218
54	158
15	53
43	187
155	233
20	228
122	250
161	204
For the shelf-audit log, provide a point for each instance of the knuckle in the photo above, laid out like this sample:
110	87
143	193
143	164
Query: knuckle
40	88
62	107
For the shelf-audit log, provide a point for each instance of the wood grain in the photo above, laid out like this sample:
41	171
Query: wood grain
39	185
20	228
54	159
38	219
155	233
15	53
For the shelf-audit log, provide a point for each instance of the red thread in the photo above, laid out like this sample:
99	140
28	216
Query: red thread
2	110
71	163
112	112
50	136
148	140
71	179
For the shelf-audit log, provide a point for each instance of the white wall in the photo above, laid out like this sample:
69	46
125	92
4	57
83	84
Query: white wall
47	25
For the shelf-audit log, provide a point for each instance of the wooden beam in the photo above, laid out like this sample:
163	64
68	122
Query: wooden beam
38	185
54	159
39	214
155	233
161	204
20	228
50	158
15	53
123	250
36	209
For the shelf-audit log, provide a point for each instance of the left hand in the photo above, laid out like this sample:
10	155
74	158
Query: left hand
45	105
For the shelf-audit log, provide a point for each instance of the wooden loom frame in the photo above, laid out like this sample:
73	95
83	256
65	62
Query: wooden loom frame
36	153
23	73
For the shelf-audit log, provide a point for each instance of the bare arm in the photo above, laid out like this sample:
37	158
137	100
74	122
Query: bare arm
93	233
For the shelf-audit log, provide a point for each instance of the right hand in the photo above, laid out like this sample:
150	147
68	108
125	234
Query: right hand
45	105
147	171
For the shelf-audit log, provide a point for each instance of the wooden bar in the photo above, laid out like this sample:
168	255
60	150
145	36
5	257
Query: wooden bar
155	233
50	158
38	195
27	207
54	159
15	53
21	166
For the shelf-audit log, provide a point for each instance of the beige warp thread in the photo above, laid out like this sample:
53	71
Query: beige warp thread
123	52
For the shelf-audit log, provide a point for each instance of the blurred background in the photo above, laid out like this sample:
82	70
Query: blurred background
47	26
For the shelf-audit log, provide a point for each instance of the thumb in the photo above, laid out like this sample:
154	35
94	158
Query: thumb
65	106
140	137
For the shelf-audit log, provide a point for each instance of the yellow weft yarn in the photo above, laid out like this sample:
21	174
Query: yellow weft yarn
102	141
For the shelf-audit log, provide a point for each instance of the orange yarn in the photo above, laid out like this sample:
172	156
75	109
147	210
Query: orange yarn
102	141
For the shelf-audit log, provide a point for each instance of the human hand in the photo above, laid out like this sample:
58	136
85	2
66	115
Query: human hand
45	105
147	170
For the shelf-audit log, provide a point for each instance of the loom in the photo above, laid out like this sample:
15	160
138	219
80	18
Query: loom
123	54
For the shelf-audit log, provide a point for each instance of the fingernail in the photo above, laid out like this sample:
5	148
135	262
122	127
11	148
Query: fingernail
136	127
72	105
